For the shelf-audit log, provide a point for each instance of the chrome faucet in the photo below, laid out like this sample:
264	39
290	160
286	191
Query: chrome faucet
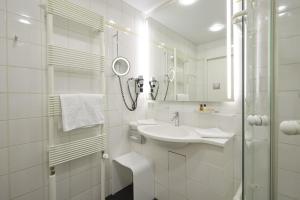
176	118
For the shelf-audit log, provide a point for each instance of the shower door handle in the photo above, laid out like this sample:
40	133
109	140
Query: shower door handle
258	120
290	127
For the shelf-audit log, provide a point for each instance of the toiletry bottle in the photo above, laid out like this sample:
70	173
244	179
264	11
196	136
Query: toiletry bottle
201	108
204	108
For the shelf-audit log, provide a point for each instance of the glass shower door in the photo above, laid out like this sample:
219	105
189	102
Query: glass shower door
288	99
256	100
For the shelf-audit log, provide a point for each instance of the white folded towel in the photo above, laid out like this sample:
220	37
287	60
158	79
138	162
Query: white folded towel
81	110
146	122
213	133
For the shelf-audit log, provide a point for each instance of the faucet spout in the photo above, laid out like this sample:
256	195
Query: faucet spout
176	119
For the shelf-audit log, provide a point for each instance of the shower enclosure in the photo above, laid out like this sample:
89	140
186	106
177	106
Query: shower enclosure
257	72
271	96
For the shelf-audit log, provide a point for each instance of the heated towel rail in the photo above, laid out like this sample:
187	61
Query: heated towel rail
70	59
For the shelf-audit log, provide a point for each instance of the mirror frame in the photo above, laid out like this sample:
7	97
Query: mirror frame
113	66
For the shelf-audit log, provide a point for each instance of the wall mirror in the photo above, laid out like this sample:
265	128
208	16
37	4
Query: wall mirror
191	50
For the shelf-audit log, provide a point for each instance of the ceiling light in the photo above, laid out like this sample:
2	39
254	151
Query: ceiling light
187	2
24	21
281	8
216	27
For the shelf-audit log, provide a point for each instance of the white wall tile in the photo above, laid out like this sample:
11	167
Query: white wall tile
80	183
28	8
115	118
62	189
3	161
288	157
96	176
287	22
4	188
3	134
289	183
289	77
96	192
25	155
118	138
84	195
24	80
3	79
79	165
288	50
283	197
25	105
26	32
3	51
27	54
99	6
287	105
2	23
26	181
3	106
35	195
2	4
25	130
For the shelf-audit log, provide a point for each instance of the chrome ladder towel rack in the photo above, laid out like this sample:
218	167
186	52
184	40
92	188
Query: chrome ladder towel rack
59	57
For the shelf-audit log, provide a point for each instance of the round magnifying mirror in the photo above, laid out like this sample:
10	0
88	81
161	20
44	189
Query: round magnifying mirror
120	66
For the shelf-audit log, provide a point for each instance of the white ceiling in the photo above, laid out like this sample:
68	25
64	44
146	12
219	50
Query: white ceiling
192	22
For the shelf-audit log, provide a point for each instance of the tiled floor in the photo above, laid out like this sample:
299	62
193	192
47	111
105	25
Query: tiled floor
125	194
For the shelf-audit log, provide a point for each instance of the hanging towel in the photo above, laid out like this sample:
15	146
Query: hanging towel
213	133
81	110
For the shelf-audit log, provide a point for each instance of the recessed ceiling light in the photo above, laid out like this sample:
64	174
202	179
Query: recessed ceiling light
187	2
24	21
216	27
281	8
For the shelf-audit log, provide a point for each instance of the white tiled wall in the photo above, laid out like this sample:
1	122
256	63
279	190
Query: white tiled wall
23	105
288	99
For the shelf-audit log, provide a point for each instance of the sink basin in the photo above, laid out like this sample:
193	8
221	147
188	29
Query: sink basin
167	133
181	134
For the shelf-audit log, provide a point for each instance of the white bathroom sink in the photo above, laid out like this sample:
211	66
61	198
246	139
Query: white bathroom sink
181	134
